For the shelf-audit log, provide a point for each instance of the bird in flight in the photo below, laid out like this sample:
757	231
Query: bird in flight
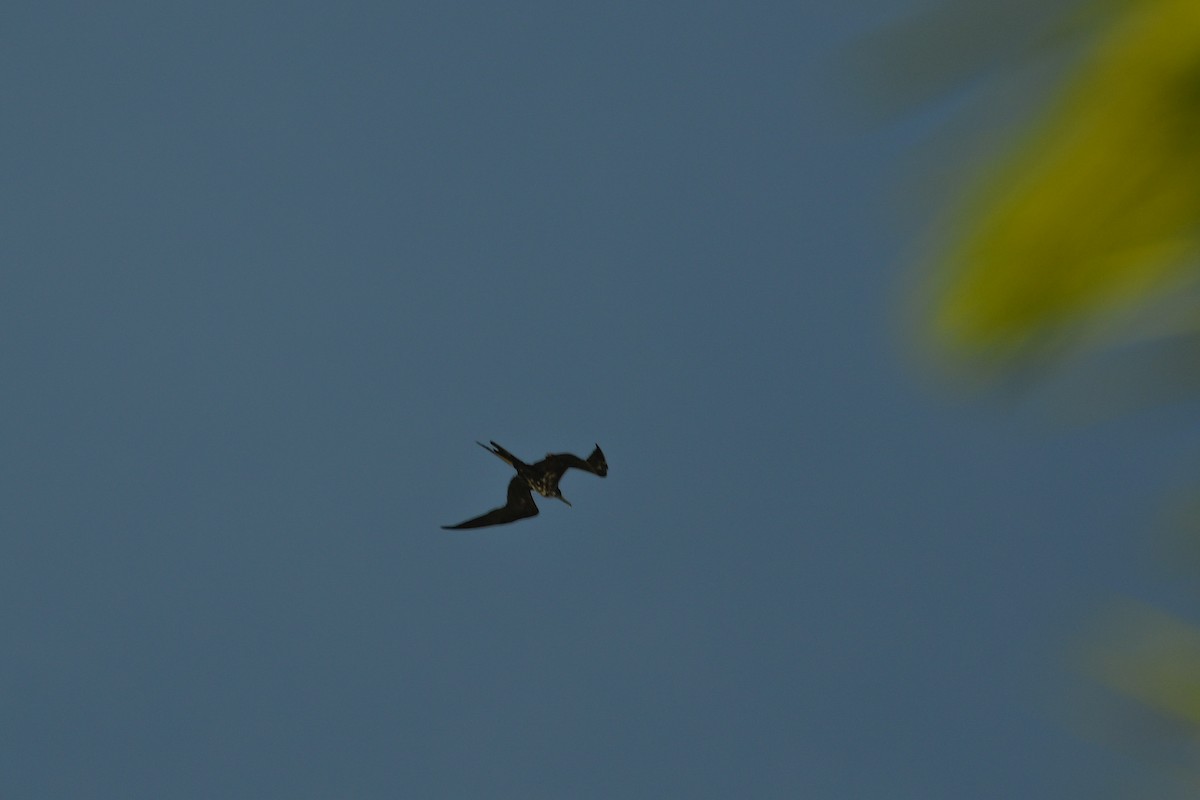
542	477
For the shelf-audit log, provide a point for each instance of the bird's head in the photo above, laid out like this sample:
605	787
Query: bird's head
557	494
597	462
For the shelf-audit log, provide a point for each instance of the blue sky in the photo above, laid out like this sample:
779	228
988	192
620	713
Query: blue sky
271	270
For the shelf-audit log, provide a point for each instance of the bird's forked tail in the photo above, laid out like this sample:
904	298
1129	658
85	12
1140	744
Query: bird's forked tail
503	454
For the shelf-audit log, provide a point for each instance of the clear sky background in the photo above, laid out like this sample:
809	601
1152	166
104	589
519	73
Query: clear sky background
270	270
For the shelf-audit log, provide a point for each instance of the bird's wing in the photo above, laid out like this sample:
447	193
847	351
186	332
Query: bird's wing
558	463
519	506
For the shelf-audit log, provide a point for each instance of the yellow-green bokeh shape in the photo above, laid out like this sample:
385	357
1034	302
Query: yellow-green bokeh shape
1156	660
1099	207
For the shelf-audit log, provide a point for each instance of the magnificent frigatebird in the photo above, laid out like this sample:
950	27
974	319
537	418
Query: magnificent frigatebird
542	477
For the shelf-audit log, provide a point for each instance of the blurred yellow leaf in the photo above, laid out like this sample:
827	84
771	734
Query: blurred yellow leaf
1093	216
1157	663
1101	205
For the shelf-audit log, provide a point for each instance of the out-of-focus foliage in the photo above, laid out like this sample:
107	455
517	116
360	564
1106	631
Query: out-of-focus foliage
1157	662
1095	210
1151	661
1084	230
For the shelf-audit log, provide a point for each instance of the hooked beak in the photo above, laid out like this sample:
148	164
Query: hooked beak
565	500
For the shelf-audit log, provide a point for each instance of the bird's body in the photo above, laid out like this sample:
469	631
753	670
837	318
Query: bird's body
542	477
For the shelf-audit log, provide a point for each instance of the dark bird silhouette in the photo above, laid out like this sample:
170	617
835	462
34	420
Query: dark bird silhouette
542	477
